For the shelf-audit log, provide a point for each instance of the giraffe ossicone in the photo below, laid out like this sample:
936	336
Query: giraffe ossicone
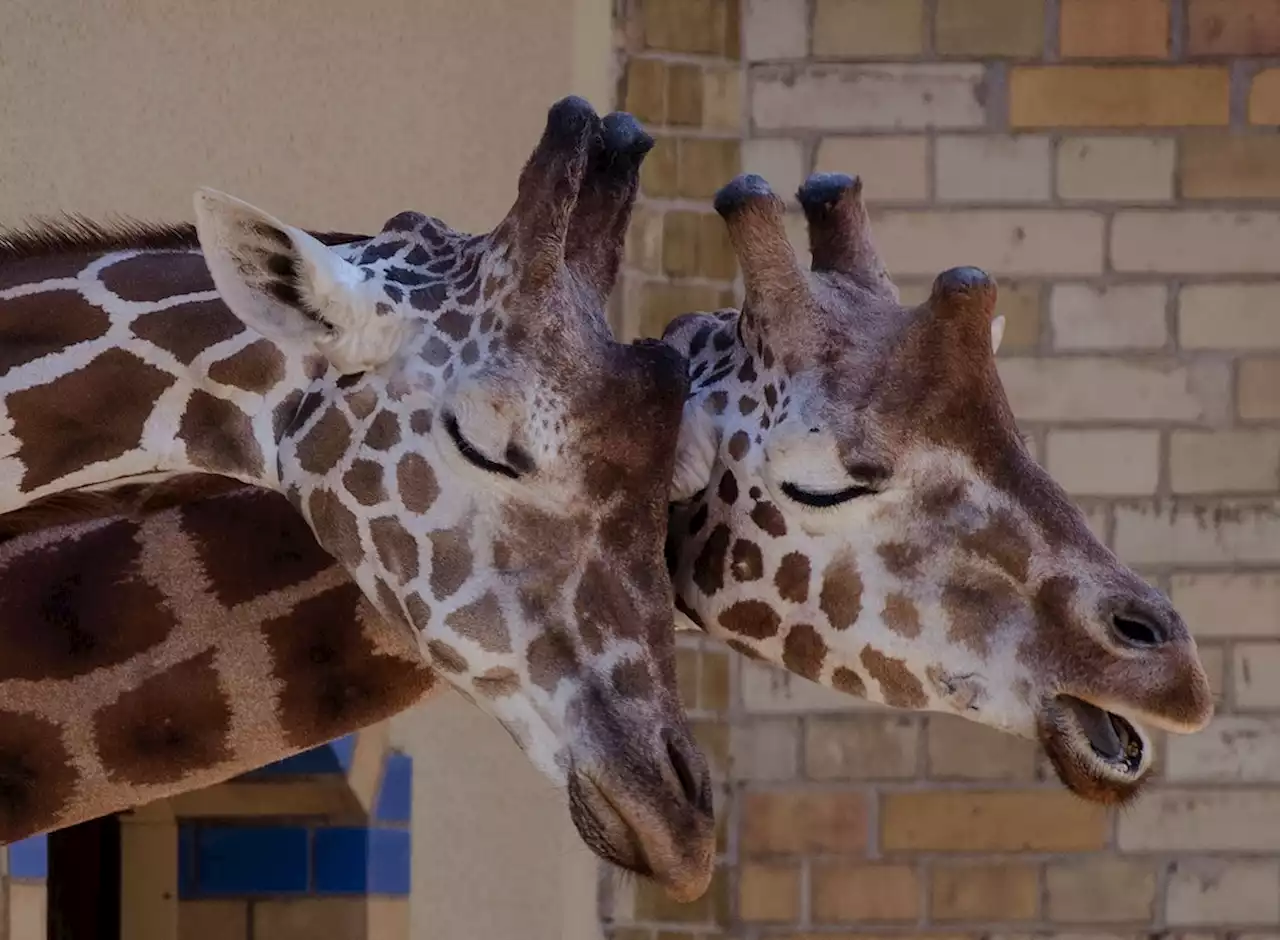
453	418
854	502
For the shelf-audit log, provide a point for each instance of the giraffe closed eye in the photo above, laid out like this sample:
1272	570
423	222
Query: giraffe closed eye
821	500
518	462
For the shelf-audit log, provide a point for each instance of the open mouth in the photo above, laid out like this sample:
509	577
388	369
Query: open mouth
1111	737
1099	755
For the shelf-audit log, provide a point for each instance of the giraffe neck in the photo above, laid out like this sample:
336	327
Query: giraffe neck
126	364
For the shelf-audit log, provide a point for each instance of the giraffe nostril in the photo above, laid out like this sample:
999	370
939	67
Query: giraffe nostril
1138	630
692	783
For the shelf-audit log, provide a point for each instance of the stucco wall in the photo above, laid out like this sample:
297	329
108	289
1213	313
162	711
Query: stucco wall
331	115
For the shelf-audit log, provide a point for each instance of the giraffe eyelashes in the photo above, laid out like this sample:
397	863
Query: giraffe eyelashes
821	500
479	460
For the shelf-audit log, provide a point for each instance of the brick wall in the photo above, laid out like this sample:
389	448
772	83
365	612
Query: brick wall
1115	164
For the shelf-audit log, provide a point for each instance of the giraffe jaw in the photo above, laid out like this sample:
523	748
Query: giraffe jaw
1098	754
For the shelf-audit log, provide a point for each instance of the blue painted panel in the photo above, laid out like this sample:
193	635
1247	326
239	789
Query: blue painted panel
251	860
332	758
186	860
29	858
354	860
395	797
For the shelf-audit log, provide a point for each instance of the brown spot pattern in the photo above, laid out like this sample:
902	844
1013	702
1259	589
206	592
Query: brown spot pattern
551	658
149	277
363	480
416	482
752	618
769	518
326	442
901	559
747	564
708	567
739	444
483	622
91	414
901	616
451	560
446	657
166	727
841	597
397	548
40	325
384	431
37	778
898	686
847	681
188	330
219	436
336	527
497	682
631	680
977	606
600	600
1002	543
256	368
803	651
792	578
77	606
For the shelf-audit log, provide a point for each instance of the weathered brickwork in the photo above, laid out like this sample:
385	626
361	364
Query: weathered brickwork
1114	164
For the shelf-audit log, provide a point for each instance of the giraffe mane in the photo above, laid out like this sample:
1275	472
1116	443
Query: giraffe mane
72	233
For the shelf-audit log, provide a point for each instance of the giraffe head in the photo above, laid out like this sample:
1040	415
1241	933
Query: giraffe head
853	500
471	443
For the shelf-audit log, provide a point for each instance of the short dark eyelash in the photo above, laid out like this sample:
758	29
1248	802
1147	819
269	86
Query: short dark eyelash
824	500
471	454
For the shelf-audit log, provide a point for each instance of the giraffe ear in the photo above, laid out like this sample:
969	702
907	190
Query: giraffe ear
293	289
696	449
997	333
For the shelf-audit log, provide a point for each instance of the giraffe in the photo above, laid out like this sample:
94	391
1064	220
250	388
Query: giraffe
853	501
449	414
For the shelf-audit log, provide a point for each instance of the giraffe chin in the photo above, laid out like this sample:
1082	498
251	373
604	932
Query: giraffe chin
1099	755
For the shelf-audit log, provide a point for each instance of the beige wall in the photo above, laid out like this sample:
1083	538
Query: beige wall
331	115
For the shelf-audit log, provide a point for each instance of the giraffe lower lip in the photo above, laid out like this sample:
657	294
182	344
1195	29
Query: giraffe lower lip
1111	737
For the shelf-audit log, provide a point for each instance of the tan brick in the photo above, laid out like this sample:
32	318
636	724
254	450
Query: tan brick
1216	892
991	821
644	240
684	94
993	169
212	920
768	689
722	98
304	918
1264	97
687	677
1229	316
1100	890
646	90
1179	820
660	302
868	28
767	749
1230	167
844	893
961	749
1224	461
696	244
1255	672
1119	169
984	892
653	903
1244	604
713	690
776	29
28	912
1134	29
1233	27
990	27
1239	748
690	25
1214	660
1195	242
778	160
1258	388
861	747
1121	316
1224	531
1105	463
837	97
659	172
1109	389
1004	242
769	893
891	168
706	165
1019	303
801	821
1117	96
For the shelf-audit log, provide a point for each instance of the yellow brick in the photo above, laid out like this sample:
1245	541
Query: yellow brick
716	259
1229	316
646	94
1229	604
798	821
1230	167
1129	29
1233	27
714	689
1224	461
661	302
684	94
861	747
1104	462
659	174
1122	169
963	749
769	893
1264	98
706	165
868	28
652	903
1120	316
985	892
776	29
213	920
891	168
644	240
687	677
844	893
1241	531
680	244
722	98
308	918
706	26
1117	96
1191	241
991	821
993	168
990	27
712	738
1258	388
1100	890
1221	892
